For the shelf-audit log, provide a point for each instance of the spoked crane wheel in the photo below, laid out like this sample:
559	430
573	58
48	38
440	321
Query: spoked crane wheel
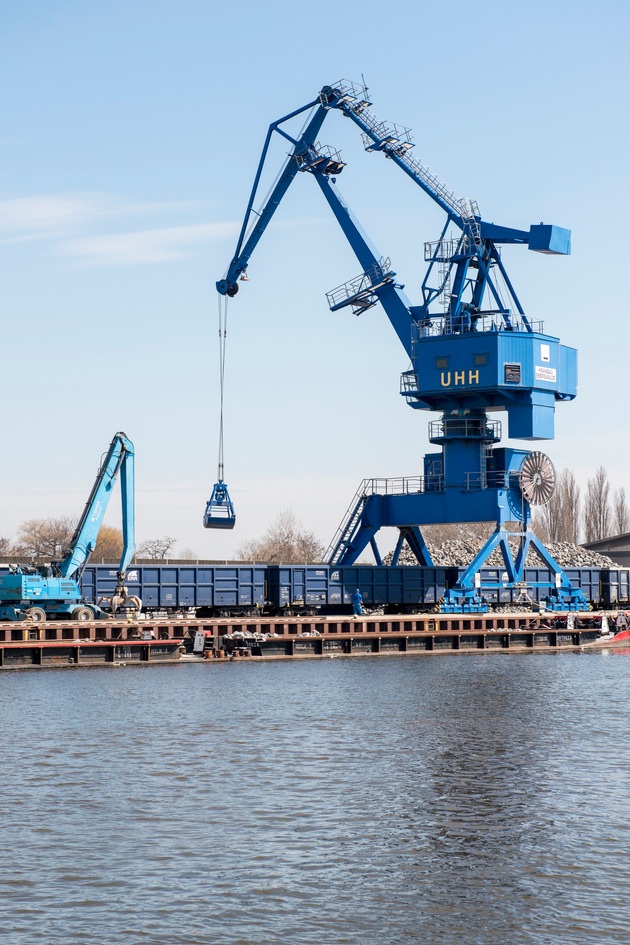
537	478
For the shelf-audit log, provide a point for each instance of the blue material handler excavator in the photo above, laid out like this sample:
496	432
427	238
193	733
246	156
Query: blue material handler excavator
39	592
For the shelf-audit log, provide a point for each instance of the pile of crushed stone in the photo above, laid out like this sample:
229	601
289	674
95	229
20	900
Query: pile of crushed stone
459	552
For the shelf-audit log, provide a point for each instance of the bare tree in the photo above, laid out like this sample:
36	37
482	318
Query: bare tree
156	548
6	546
45	539
559	519
109	545
597	515
188	554
620	512
572	506
284	541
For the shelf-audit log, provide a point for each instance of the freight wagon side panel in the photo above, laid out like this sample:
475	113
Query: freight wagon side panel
402	586
615	586
186	586
226	587
148	584
168	587
296	586
335	586
88	588
251	587
588	579
353	577
204	591
317	586
297	580
373	583
413	582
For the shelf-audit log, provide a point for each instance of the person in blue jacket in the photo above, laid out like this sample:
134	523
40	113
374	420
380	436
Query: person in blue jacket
357	600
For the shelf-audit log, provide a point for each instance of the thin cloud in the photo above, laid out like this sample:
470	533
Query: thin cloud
166	244
69	224
45	216
10	141
68	221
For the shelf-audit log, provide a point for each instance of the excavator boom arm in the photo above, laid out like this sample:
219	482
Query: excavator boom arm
118	459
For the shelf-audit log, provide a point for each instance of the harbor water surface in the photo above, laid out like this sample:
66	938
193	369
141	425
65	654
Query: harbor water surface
456	800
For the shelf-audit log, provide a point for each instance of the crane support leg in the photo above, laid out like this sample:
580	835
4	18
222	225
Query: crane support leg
468	592
414	539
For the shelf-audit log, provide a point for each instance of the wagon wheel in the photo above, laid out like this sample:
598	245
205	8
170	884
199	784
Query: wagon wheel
537	478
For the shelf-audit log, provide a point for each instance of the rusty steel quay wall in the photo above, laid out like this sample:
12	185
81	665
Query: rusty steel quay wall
102	642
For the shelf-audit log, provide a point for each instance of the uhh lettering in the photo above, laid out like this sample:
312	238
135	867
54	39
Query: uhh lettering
459	378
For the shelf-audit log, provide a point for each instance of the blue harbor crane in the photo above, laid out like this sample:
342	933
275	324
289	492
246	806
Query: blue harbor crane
472	349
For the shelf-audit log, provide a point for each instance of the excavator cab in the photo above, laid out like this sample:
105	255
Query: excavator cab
219	510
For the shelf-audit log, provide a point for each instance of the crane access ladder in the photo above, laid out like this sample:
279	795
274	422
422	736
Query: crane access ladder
349	525
365	516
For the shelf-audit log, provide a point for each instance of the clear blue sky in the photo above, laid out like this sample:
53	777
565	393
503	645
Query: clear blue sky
130	135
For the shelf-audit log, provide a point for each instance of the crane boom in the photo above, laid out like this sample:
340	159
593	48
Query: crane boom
250	233
377	282
396	143
466	267
118	459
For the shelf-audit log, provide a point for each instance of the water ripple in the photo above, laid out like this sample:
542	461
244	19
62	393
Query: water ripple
473	799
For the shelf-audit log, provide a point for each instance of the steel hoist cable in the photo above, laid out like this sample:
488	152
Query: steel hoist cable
223	313
219	509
